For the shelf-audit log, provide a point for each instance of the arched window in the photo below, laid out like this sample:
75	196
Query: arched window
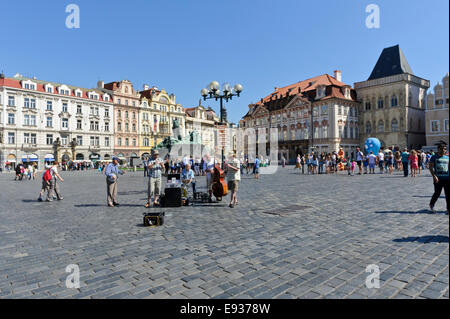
368	128
380	126
394	101
380	103
394	125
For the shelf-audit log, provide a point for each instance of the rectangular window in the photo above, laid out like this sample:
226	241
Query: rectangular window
26	103
33	138
49	121
106	112
64	140
64	107
26	138
49	105
26	120
33	120
11	101
107	141
49	90
339	110
80	140
79	125
106	127
11	138
119	141
33	103
49	139
446	125
65	123
79	109
11	118
435	126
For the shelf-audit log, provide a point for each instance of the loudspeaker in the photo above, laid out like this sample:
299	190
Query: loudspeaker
176	176
172	197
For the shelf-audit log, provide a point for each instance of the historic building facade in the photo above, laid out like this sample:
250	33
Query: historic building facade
42	121
393	102
126	119
436	114
319	114
159	111
203	121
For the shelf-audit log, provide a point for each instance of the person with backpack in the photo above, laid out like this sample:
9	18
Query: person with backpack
54	186
49	183
46	177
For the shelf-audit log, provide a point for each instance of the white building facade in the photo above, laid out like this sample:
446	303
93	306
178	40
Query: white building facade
43	121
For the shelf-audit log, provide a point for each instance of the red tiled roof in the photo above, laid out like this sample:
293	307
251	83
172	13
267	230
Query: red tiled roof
15	83
306	86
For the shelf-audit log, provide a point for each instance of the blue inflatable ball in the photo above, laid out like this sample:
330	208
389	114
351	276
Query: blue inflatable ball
372	145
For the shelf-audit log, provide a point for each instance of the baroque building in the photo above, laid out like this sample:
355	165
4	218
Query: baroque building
42	121
436	114
159	110
203	121
393	102
319	114
126	119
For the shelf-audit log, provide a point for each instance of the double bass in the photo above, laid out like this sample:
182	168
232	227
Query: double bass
219	186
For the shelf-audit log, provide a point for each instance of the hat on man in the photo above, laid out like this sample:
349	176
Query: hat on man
115	158
155	152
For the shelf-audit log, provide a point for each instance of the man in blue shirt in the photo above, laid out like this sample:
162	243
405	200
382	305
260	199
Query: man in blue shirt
188	177
439	171
405	162
112	171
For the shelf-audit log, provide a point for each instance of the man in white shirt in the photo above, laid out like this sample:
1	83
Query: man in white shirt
380	158
209	169
371	159
233	177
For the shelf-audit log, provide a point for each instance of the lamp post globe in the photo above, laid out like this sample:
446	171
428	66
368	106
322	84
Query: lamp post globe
204	92
214	86
238	88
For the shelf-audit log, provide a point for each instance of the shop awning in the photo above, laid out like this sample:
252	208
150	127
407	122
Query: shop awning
30	158
49	158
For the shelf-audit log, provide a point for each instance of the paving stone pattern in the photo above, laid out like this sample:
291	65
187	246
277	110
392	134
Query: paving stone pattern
291	236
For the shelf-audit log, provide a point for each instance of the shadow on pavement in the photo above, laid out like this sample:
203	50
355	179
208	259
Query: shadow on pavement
423	239
422	211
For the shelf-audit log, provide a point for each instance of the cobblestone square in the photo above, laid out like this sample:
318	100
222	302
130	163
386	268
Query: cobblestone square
291	236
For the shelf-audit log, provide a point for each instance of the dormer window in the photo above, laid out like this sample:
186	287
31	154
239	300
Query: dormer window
106	97
320	92
48	88
93	96
64	90
29	85
347	93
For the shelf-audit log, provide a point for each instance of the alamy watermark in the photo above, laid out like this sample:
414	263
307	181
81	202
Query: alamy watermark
73	19
373	19
373	280
73	280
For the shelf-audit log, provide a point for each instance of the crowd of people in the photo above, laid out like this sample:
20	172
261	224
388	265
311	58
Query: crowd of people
386	161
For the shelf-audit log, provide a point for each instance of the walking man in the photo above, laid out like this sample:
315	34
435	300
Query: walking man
233	177
439	171
359	159
112	171
54	185
405	162
155	169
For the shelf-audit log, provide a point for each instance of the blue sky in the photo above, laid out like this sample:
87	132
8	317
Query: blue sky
182	45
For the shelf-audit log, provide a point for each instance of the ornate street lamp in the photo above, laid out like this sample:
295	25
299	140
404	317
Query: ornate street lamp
213	92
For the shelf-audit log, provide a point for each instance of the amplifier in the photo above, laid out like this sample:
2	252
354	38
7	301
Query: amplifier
172	197
154	219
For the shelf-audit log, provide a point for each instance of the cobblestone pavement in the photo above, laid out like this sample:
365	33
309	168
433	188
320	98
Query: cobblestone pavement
291	236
